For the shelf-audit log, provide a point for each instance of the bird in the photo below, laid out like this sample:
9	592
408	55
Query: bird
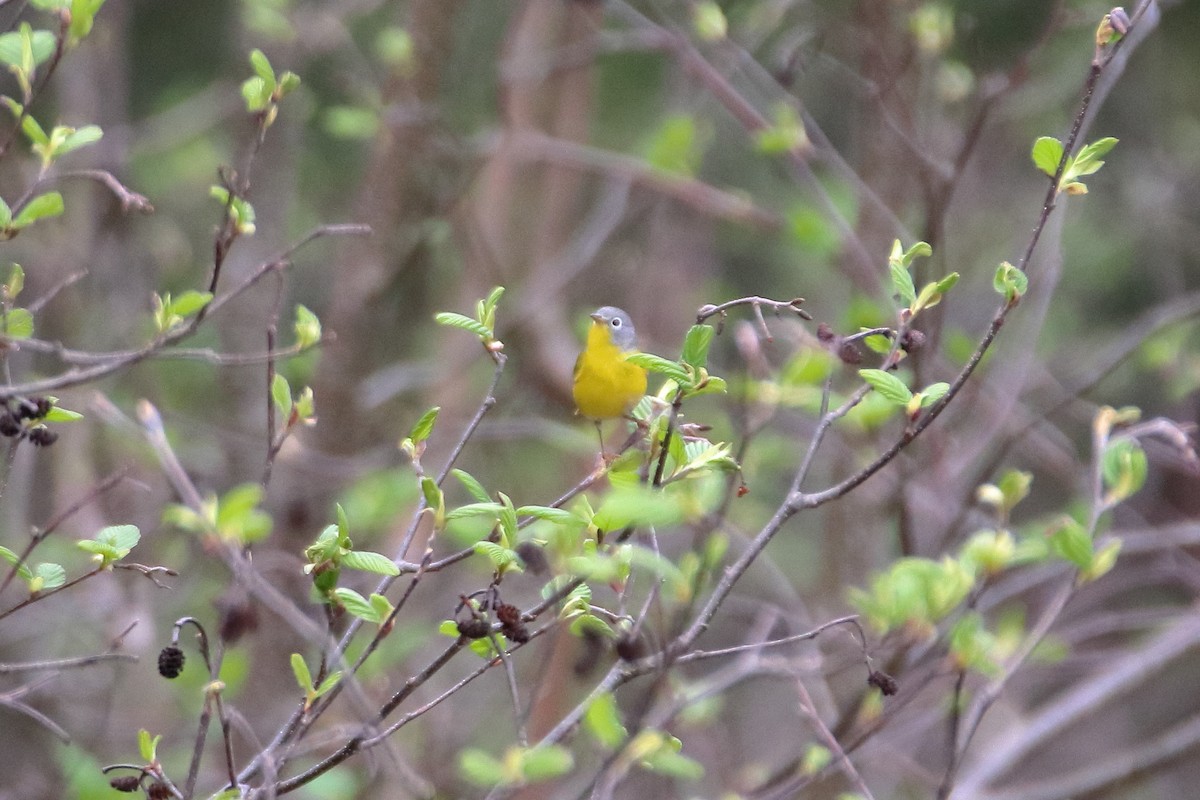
606	385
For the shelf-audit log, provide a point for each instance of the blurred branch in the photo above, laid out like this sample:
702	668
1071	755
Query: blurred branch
1083	698
697	195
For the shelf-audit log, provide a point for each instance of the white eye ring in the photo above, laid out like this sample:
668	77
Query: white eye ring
616	322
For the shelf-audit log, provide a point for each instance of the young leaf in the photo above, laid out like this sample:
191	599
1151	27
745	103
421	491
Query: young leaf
307	328
1010	282
424	425
888	385
902	282
1047	153
603	721
503	559
473	487
77	138
43	206
148	746
558	516
695	346
662	366
281	395
17	323
465	323
1102	562
1072	542
262	67
367	561
50	575
12	558
331	680
544	762
356	604
300	670
1124	467
933	392
1087	160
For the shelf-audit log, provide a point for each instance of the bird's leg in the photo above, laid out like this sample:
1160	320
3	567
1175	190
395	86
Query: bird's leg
600	436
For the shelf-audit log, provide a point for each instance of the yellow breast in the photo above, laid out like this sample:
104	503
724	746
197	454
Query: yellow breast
606	385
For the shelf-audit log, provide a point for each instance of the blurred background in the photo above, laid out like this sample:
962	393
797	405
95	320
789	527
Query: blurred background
657	156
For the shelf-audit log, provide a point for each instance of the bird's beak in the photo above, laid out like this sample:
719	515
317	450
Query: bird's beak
597	317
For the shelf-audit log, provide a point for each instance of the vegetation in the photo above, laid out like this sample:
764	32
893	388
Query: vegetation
288	319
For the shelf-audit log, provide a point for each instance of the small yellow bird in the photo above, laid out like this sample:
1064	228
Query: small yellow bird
606	385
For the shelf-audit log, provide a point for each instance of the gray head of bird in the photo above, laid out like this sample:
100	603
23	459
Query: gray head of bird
620	326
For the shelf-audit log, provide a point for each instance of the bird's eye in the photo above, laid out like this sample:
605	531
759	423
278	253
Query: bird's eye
616	322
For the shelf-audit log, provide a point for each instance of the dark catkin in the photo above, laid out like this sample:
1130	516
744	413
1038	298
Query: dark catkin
170	662
511	624
42	436
883	682
158	791
126	783
9	425
474	628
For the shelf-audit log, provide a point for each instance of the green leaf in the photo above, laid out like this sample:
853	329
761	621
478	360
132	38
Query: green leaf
5	215
51	575
1071	541
288	83
696	344
558	516
16	279
677	147
465	323
112	543
902	282
262	67
485	509
148	746
43	206
1014	487
367	561
508	520
816	758
786	134
281	395
662	366
307	328
1087	160
1010	282
1102	561
83	15
888	385
473	487
947	283
79	137
1124	468
480	768
343	526
603	721
17	323
13	47
382	607
12	558
1047	153
434	499
34	131
350	122
932	393
300	670
503	559
544	762
424	425
356	604
709	21
331	680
